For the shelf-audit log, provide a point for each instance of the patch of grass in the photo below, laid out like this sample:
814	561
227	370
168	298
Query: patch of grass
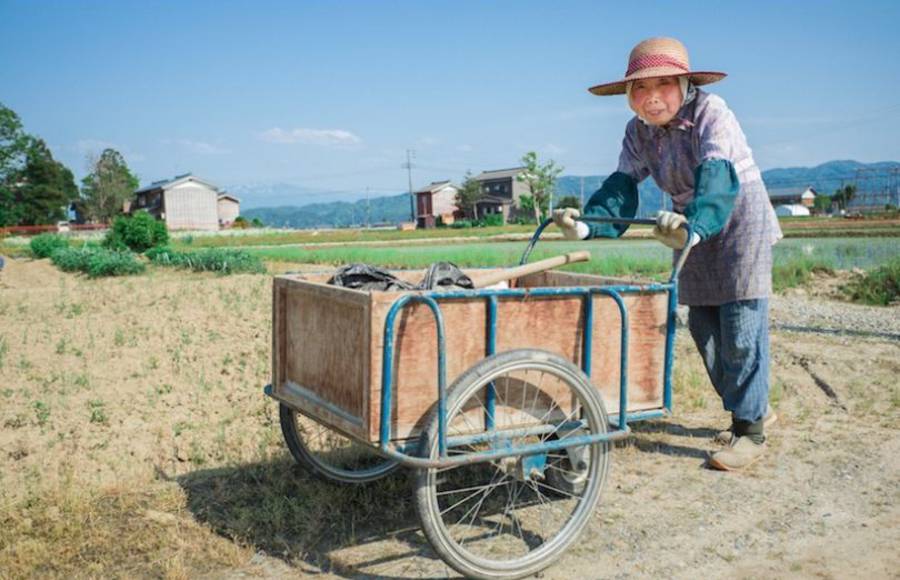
43	245
74	532
879	287
98	412
41	412
219	260
797	271
97	262
4	348
277	238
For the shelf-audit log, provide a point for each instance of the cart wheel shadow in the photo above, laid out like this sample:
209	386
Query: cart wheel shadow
280	510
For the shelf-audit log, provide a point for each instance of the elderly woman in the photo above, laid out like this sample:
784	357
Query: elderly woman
692	145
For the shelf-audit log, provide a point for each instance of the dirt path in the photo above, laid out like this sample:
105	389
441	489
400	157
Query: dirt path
136	442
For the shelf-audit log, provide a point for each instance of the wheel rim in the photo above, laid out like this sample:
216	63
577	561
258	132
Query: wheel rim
330	454
489	516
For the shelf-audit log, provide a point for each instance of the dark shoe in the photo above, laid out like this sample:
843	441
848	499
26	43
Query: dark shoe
725	437
741	453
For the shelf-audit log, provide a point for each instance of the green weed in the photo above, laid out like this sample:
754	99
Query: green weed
41	412
98	412
879	287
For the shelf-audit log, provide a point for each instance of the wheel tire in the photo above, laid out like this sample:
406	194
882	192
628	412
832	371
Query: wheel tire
471	543
328	454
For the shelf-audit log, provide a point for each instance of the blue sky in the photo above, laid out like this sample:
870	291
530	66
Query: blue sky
329	95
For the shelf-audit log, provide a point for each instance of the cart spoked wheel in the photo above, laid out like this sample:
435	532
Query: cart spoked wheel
511	517
328	454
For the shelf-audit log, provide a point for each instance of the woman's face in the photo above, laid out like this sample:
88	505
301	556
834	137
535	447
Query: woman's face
655	100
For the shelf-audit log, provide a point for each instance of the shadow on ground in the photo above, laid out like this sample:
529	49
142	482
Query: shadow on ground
277	508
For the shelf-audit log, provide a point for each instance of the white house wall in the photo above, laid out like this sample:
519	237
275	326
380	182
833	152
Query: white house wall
192	206
228	211
443	201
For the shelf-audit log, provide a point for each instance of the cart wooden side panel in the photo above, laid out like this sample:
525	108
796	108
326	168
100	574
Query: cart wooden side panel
320	352
328	345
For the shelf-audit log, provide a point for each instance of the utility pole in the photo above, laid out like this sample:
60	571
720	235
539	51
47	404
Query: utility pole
410	154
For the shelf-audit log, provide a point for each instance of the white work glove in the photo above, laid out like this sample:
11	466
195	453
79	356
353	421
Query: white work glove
565	220
668	230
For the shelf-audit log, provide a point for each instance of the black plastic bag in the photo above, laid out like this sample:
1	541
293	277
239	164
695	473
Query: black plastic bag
445	275
366	277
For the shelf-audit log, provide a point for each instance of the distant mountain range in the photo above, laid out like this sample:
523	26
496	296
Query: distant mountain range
323	211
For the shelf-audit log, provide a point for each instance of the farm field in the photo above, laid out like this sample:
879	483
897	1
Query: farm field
794	258
137	442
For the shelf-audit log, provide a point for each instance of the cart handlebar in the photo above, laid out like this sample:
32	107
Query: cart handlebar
676	269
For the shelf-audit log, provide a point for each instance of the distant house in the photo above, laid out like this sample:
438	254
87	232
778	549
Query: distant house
436	200
184	203
229	209
500	192
793	196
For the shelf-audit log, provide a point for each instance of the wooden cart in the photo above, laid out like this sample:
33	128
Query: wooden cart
520	437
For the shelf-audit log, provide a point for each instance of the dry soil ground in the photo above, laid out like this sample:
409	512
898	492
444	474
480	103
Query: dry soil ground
135	442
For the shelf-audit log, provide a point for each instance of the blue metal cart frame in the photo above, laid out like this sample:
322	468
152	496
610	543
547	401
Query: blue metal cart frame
410	454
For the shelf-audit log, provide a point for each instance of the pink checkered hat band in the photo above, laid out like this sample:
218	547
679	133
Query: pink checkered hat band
657	57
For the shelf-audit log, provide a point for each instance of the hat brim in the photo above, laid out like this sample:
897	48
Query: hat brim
698	78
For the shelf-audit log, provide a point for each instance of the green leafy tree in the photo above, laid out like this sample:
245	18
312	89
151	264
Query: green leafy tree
14	143
822	203
569	201
526	202
844	195
108	186
468	195
541	180
43	189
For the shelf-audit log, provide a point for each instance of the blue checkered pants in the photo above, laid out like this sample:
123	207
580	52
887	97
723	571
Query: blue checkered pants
733	339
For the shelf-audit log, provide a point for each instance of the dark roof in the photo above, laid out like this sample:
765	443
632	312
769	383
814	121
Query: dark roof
499	173
228	196
169	183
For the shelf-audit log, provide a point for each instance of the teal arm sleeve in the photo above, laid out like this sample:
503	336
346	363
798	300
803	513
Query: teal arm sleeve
716	187
617	197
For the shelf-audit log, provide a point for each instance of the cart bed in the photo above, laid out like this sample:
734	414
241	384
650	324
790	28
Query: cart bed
327	345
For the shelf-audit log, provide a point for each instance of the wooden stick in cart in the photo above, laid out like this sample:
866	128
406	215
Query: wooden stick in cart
480	281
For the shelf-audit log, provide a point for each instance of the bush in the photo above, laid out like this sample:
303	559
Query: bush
97	262
240	223
138	233
223	261
43	245
461	224
494	219
879	287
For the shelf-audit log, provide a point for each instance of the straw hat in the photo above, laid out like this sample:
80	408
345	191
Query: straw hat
657	57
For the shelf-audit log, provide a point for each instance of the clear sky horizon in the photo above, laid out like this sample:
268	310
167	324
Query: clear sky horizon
328	96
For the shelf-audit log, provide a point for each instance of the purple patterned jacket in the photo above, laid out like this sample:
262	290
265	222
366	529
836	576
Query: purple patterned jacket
735	264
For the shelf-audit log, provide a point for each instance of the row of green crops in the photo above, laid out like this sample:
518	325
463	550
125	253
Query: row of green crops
97	262
219	260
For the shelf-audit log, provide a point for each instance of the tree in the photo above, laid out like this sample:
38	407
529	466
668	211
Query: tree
108	186
14	143
468	195
822	203
569	201
843	195
540	180
43	189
